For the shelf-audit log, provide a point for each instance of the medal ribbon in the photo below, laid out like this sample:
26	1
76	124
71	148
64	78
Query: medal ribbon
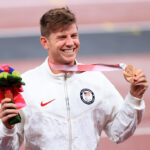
92	67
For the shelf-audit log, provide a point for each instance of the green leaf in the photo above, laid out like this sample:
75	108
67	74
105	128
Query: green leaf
15	73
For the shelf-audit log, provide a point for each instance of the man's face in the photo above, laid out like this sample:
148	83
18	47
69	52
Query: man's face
63	45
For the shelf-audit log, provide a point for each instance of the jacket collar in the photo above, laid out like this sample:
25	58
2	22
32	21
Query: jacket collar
59	75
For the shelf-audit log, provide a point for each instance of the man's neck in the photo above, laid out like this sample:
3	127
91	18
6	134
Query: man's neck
54	70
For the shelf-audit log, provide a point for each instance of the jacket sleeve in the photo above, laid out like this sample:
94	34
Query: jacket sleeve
118	117
11	139
124	116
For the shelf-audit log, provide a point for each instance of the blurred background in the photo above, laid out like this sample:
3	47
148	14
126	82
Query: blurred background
111	31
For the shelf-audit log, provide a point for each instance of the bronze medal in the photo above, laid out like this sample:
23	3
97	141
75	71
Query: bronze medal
129	73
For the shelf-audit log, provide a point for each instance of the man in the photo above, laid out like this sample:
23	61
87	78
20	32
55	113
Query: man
57	115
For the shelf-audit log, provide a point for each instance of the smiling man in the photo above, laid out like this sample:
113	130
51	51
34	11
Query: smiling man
60	37
69	110
62	45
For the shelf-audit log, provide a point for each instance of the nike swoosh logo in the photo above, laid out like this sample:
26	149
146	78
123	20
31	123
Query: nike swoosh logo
44	104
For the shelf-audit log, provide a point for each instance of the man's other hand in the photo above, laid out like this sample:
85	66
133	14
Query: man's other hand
138	81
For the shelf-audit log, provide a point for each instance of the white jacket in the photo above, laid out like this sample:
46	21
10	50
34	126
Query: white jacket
81	106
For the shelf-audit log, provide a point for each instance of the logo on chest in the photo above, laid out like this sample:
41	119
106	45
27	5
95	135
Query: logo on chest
46	103
87	96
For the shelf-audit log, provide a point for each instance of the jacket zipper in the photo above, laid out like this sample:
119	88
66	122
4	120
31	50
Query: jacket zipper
68	113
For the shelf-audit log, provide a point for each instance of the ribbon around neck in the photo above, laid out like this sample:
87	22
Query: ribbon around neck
92	67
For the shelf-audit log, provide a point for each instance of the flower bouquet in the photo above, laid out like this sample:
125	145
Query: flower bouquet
10	87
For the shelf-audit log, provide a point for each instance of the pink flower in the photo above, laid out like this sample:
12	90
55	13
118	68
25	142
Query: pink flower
4	68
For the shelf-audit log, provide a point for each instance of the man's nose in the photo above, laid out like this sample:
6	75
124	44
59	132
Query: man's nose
69	41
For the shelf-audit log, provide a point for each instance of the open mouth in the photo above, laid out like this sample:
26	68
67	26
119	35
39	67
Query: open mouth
68	51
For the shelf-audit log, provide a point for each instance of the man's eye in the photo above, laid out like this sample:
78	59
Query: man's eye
74	35
62	37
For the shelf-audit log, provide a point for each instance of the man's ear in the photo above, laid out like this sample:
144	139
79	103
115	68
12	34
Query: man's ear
44	42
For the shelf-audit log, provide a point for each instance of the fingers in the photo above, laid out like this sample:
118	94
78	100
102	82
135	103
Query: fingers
139	84
135	76
6	103
140	79
7	111
137	93
6	100
6	118
139	74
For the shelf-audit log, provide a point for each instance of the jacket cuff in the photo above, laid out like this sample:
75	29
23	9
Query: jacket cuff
8	132
135	102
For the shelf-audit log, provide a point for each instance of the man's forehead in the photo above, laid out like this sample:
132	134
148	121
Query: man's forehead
67	29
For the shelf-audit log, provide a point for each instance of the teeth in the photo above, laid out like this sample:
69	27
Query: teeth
68	51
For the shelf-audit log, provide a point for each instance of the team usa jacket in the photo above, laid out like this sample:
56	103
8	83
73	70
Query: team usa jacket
70	111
